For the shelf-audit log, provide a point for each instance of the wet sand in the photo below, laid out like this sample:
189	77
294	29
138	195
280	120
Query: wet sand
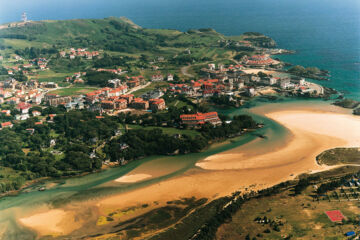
48	222
132	178
311	132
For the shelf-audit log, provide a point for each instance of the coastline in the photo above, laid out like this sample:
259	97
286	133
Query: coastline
211	181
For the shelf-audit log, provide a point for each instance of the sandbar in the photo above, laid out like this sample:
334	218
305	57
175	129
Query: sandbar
132	178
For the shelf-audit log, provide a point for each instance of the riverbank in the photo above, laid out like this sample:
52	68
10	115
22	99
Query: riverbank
311	132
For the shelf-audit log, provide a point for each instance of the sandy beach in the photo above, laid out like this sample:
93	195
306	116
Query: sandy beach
48	222
257	70
132	178
311	132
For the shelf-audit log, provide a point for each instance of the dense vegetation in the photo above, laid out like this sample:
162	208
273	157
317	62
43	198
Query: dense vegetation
76	141
54	149
309	72
99	78
139	143
339	156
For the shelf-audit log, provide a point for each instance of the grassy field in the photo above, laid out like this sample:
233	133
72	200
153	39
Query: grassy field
51	76
71	91
21	44
294	217
339	156
151	87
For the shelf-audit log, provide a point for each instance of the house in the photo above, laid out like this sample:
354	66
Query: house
156	78
157	104
13	100
251	91
37	99
42	66
36	113
49	85
72	56
200	118
134	82
269	80
120	103
6	112
22	117
10	72
139	103
6	125
118	91
211	66
114	83
285	83
62	54
52	142
51	116
27	65
170	77
258	61
128	97
23	107
5	94
30	130
107	105
10	83
2	100
298	80
152	94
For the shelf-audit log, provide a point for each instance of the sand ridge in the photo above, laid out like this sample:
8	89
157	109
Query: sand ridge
132	178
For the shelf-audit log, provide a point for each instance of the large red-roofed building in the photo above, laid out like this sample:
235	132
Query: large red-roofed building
200	118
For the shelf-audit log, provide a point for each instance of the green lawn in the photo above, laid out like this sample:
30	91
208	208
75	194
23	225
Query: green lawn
51	76
73	91
21	44
151	87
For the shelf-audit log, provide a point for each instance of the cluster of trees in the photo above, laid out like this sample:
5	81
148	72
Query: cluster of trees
243	49
32	52
223	100
140	143
111	61
75	134
309	72
99	78
66	64
234	128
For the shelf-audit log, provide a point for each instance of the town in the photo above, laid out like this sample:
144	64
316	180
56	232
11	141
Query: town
253	76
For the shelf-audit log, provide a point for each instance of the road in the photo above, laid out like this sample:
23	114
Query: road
184	71
138	88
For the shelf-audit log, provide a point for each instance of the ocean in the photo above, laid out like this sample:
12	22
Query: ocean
325	33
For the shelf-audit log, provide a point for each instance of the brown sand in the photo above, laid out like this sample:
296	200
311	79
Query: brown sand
132	178
47	222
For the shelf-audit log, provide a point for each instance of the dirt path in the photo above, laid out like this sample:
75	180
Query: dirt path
184	71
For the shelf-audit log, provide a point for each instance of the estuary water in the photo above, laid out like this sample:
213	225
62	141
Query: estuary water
325	33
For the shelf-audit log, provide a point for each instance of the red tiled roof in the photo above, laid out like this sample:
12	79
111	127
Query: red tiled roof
5	124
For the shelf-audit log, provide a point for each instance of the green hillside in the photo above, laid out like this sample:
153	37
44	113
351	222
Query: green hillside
111	34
